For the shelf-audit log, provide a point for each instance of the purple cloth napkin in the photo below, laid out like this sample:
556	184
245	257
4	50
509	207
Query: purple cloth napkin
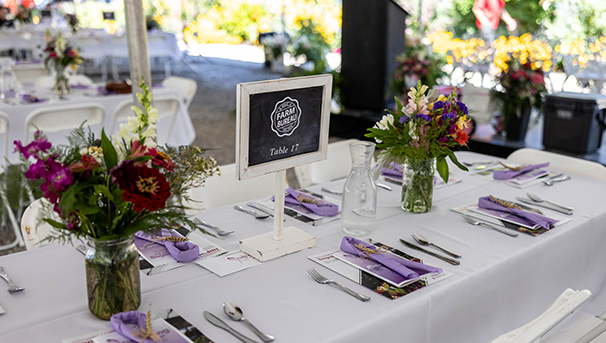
180	251
31	98
103	91
120	323
402	266
320	207
510	174
394	171
545	222
79	86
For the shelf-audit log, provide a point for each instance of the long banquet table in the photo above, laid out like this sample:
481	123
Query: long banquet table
183	131
501	284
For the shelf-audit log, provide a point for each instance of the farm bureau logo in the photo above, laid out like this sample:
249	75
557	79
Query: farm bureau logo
286	117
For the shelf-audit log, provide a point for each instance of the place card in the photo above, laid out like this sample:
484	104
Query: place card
361	277
166	332
229	263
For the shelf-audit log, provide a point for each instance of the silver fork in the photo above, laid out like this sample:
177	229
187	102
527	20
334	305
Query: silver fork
214	227
12	288
321	279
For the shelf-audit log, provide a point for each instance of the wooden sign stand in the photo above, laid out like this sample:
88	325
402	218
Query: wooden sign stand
281	241
281	124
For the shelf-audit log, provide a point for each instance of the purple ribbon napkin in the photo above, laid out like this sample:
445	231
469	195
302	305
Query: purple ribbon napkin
79	86
180	251
31	98
318	206
402	266
103	91
120	323
510	174
545	222
394	171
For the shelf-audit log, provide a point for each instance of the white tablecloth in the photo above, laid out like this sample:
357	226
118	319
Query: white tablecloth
183	131
502	282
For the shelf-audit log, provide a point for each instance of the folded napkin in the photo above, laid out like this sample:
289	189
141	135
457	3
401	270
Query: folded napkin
79	86
394	171
103	91
492	204
31	98
127	323
402	266
510	174
316	205
181	251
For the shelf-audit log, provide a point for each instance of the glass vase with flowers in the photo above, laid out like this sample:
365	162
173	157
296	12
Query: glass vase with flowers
419	137
60	60
105	190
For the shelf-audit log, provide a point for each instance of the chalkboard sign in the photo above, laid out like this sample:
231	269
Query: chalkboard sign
282	123
109	16
46	14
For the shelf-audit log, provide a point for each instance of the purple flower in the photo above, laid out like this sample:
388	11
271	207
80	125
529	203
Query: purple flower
36	170
462	107
438	104
449	116
425	117
404	119
35	146
123	173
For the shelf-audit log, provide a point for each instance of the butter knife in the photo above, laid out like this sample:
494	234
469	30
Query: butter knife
287	211
553	208
395	251
219	323
443	258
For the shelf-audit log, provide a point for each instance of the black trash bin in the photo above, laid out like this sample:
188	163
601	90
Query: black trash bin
574	122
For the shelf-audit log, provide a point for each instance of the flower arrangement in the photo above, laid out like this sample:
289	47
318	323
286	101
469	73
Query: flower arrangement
24	14
427	127
73	21
107	189
519	85
60	56
416	64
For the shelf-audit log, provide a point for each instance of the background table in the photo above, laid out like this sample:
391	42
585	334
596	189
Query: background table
501	284
183	130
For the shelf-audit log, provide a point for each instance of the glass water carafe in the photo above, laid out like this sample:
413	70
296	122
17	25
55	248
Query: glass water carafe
8	79
359	212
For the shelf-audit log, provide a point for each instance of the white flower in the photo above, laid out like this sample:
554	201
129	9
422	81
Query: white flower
95	151
388	118
412	128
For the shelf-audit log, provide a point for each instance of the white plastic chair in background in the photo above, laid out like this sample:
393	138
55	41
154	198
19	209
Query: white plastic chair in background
48	82
186	87
30	73
560	162
225	189
4	126
34	230
477	100
336	166
561	308
167	106
64	118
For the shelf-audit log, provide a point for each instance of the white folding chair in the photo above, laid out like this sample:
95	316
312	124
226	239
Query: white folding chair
29	73
167	106
561	308
186	87
4	126
477	100
35	230
225	189
560	162
64	118
336	166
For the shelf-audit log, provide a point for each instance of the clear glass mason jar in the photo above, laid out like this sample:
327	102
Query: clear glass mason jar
112	276
417	185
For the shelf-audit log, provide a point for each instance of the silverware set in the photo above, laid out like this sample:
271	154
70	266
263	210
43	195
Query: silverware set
475	221
235	313
537	201
431	253
251	212
214	227
12	287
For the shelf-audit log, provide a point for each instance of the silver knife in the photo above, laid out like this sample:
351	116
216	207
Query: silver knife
443	258
528	208
287	211
561	210
219	323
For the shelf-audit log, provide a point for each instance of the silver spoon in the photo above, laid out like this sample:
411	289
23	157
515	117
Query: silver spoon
474	221
423	241
537	199
214	227
235	313
557	179
251	212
